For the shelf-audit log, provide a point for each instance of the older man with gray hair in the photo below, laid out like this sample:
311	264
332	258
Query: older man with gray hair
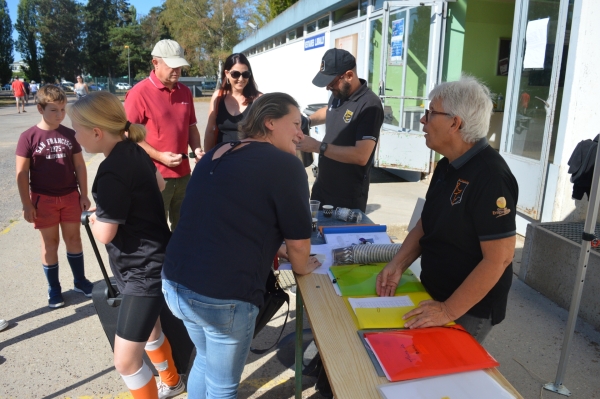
466	234
166	108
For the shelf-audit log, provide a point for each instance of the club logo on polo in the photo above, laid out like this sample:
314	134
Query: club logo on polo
502	209
348	116
459	190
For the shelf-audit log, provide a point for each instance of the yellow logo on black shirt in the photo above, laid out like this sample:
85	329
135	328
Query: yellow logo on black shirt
502	209
348	116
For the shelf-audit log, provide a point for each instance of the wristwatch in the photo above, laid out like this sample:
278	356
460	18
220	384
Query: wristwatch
322	149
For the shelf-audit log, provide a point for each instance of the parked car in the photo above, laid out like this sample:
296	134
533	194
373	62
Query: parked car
66	87
98	87
209	85
122	86
7	87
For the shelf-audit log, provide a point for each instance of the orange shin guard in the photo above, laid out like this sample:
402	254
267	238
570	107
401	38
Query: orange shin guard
159	352
142	384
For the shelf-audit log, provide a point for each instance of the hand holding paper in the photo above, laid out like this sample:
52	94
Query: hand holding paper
429	313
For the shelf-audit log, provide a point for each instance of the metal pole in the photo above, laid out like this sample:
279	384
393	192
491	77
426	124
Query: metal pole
584	255
128	67
299	339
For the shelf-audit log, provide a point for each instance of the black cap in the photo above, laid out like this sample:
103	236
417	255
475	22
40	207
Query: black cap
334	63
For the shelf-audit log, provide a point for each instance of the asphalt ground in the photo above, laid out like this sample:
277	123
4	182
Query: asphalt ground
64	353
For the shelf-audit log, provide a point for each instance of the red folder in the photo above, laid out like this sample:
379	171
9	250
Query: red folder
426	352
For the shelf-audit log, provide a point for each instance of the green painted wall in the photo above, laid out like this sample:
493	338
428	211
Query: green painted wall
455	40
486	22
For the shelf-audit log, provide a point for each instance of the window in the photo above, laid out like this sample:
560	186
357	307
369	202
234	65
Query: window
364	4
295	33
311	27
279	40
345	13
323	23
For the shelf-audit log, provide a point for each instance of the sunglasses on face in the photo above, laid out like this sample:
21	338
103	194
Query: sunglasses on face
237	74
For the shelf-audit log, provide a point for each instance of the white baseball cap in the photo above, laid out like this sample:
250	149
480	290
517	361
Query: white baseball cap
171	53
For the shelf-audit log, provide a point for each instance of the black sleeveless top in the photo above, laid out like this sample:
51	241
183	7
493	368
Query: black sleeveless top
227	123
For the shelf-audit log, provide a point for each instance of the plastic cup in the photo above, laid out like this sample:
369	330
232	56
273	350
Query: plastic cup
314	224
314	207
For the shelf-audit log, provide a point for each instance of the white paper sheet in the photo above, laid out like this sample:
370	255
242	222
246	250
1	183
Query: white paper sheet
322	253
468	385
535	43
381	302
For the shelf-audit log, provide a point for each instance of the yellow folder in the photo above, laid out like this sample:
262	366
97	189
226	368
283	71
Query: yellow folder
369	318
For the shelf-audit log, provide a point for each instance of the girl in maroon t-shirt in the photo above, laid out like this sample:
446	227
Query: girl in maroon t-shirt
52	180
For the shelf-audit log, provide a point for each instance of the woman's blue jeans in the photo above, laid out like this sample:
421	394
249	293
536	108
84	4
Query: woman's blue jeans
222	331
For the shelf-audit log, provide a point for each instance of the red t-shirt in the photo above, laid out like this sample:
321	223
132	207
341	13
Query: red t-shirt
167	115
19	88
51	169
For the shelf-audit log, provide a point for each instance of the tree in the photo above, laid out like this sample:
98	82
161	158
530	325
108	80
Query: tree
100	17
278	6
60	26
132	35
27	43
6	43
206	29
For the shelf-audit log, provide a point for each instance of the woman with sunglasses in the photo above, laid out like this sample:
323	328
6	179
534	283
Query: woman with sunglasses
230	104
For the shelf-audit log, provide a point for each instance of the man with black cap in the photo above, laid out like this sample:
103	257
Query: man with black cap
353	119
166	108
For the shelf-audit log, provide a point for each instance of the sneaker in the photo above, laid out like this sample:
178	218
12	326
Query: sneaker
56	300
85	287
3	324
165	391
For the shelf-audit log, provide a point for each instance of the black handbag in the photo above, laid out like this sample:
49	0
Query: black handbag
275	297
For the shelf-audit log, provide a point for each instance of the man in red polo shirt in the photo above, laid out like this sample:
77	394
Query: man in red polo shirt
18	89
166	108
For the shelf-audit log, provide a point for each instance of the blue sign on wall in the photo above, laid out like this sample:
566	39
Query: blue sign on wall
314	42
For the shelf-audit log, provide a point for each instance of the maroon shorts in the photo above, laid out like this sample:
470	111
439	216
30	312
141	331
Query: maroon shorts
54	210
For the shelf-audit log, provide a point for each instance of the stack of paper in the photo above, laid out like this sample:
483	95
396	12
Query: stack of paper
340	237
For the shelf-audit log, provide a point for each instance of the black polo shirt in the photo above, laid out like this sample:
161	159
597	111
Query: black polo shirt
470	200
358	118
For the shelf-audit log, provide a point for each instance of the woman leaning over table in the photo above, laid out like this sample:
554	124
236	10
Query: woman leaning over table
231	102
466	234
243	200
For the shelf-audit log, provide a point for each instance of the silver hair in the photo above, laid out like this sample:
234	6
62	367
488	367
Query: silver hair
470	100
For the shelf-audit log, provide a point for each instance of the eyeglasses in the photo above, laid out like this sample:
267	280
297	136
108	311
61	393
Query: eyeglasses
427	112
335	81
237	74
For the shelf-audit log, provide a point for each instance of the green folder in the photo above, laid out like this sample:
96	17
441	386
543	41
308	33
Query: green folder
360	280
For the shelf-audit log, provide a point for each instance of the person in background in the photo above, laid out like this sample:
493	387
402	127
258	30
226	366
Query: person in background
244	199
466	234
27	91
18	89
52	182
34	89
353	120
80	88
231	102
166	109
129	220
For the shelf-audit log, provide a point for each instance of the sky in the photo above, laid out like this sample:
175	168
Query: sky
142	7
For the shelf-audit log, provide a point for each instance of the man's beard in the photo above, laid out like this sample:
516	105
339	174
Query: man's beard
344	93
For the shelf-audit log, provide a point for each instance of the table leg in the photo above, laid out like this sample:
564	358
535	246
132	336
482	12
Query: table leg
299	339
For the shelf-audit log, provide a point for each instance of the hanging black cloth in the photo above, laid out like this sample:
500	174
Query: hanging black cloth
581	167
